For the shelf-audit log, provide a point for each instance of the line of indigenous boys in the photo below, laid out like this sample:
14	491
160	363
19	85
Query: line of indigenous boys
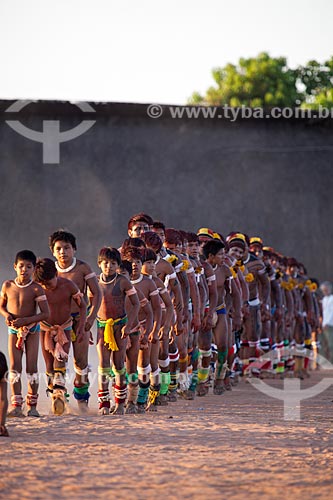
177	312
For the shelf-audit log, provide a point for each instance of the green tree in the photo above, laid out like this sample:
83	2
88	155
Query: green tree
265	82
317	82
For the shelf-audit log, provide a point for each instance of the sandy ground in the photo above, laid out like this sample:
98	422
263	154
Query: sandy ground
235	445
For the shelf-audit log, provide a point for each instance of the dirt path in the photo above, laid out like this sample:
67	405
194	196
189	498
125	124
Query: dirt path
237	445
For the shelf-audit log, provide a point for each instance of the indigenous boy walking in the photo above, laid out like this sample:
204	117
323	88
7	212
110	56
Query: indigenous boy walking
115	322
56	331
18	305
63	247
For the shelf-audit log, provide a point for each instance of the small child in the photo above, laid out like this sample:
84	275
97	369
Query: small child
149	381
18	304
115	322
56	332
138	341
149	269
3	395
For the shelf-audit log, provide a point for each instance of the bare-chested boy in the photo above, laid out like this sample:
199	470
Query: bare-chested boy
63	248
214	252
148	358
19	300
138	340
149	269
174	241
166	272
56	331
206	333
259	297
115	323
206	281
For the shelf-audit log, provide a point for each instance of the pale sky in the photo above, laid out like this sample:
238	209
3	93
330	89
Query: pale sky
147	50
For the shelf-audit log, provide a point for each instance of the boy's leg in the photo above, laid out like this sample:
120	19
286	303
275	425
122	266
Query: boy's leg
221	340
81	382
14	376
59	392
193	363
31	347
120	373
155	383
49	361
132	371
174	366
144	370
205	353
164	364
104	374
183	382
3	394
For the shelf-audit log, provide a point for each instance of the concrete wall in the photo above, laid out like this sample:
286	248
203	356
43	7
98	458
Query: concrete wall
271	178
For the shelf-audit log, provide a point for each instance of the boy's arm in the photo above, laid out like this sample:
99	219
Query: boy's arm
157	312
164	294
95	299
178	302
212	297
277	295
44	313
236	306
148	326
133	310
195	298
3	304
309	306
77	297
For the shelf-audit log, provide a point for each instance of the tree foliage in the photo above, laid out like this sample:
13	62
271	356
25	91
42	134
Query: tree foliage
265	82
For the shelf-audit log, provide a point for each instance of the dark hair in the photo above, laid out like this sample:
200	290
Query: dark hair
148	254
212	247
45	270
26	255
61	235
183	235
132	253
152	240
292	262
158	225
302	266
284	261
108	253
173	236
146	218
192	237
133	242
141	217
125	265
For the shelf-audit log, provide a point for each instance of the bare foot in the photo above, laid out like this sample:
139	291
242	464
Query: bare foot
16	412
131	408
3	431
83	406
202	389
104	411
119	410
33	412
163	400
218	387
